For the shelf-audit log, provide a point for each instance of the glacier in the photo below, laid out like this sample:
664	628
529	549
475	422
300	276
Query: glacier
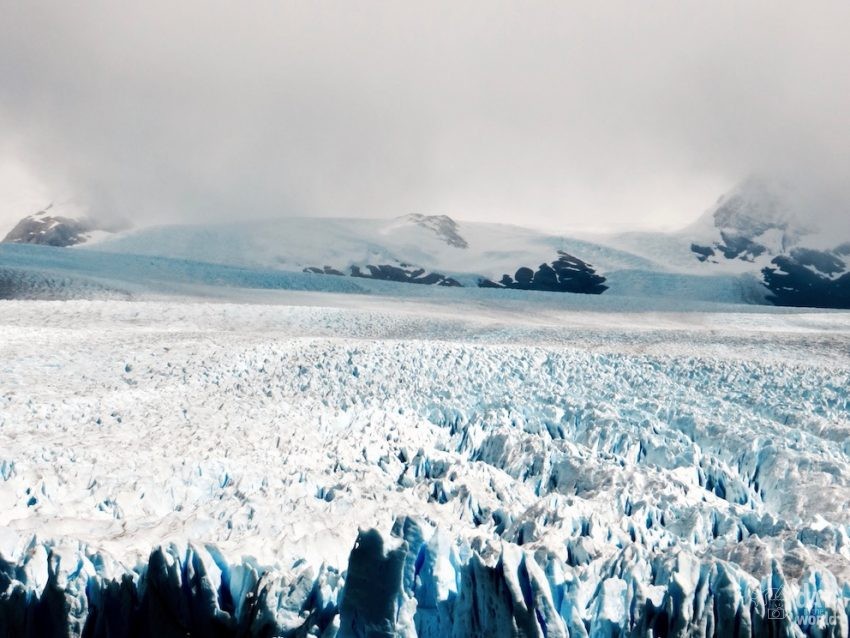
297	463
40	272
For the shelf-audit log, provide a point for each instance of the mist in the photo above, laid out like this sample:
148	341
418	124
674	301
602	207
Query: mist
556	115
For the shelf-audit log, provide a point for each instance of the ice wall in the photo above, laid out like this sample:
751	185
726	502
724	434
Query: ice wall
416	581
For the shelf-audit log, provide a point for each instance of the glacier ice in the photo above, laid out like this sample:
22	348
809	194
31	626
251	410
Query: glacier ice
334	467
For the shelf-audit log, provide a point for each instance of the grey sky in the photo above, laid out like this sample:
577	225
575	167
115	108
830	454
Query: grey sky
562	114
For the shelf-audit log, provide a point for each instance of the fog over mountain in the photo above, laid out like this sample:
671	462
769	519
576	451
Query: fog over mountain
568	115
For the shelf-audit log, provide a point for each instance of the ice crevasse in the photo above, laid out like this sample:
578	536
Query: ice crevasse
417	581
622	483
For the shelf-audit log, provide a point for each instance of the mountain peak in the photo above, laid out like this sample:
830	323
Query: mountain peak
48	228
759	205
759	217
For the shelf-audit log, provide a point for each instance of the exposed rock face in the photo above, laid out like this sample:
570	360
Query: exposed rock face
443	226
565	274
731	247
405	274
703	253
49	229
809	278
327	270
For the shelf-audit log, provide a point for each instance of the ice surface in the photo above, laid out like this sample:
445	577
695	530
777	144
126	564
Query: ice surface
38	272
361	465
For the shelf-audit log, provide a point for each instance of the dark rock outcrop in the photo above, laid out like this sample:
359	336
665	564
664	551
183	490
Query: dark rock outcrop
731	246
50	230
805	278
702	252
825	261
409	275
404	273
327	270
739	247
565	274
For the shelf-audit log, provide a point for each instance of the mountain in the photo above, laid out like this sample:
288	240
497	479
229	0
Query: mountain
439	250
761	226
49	228
753	246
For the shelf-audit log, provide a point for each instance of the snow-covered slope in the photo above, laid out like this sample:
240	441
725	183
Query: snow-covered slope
408	248
438	250
346	466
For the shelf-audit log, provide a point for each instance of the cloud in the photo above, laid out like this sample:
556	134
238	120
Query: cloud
552	114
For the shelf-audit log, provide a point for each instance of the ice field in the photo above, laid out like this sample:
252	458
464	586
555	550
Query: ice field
302	463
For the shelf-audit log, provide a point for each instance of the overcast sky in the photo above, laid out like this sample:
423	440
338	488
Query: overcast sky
586	115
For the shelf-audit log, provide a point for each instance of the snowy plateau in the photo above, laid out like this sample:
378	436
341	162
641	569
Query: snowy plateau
384	463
